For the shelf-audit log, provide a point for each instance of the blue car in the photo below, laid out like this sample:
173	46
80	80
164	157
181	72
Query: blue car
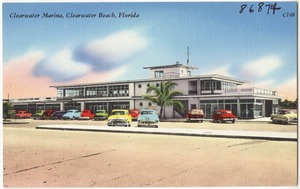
148	117
72	114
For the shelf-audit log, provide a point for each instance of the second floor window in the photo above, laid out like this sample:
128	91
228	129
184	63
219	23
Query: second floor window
159	74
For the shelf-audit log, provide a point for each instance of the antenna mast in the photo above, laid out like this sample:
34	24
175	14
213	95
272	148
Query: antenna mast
188	55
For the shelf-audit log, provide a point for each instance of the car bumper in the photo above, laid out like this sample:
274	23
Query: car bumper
229	119
147	123
117	122
100	118
84	118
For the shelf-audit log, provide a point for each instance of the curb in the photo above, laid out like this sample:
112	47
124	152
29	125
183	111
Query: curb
259	135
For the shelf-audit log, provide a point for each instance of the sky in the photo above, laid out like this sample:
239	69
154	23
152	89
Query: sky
48	44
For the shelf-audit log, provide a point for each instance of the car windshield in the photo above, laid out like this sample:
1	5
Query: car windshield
118	113
226	112
282	112
146	112
197	112
100	111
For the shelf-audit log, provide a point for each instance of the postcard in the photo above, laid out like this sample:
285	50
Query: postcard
162	94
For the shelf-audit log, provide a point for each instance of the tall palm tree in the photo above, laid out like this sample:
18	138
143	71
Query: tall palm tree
163	96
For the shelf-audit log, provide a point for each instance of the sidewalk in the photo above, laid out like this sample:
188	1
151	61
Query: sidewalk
262	119
262	135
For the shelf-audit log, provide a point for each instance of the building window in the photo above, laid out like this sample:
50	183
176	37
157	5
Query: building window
141	104
119	90
139	86
159	74
73	92
157	84
149	104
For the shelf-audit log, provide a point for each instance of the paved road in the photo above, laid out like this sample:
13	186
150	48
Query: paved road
52	158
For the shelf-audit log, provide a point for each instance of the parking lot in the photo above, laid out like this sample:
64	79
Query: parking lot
55	158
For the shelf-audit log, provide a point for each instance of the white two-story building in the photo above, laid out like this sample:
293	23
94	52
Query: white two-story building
208	92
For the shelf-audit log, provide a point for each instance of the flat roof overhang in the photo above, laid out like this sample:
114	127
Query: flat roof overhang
200	77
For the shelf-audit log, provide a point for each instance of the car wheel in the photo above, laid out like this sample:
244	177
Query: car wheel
233	121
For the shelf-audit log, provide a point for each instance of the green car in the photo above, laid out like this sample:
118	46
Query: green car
38	114
285	116
101	115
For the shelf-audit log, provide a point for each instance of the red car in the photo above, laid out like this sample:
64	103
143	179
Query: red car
134	113
195	115
87	114
223	116
47	114
23	114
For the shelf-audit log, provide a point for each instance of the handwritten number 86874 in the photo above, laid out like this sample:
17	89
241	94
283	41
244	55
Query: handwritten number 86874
260	6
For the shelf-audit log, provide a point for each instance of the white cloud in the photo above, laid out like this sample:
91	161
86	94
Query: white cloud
288	89
61	67
111	51
221	70
260	67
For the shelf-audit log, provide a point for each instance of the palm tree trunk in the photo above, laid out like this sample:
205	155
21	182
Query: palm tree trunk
160	112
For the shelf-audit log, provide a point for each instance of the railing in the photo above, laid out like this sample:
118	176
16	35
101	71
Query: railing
252	90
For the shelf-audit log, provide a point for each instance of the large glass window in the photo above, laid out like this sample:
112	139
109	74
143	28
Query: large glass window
118	90
159	74
210	106
70	92
100	91
209	85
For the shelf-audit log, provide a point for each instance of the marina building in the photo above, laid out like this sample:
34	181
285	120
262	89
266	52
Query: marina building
208	92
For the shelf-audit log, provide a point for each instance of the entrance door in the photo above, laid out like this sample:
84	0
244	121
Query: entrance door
268	107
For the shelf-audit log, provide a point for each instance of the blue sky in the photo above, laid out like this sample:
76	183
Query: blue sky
258	47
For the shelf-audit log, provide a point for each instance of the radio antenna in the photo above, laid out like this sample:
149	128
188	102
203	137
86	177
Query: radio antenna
188	56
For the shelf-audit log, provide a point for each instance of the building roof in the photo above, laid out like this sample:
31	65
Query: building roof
171	66
201	77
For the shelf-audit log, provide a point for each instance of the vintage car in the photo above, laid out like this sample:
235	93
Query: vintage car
148	117
86	114
101	115
23	114
285	116
47	114
195	115
38	114
58	115
223	116
119	117
134	113
71	114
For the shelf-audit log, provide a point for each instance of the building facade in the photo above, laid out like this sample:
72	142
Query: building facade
208	92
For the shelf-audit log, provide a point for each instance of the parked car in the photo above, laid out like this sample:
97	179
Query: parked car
23	114
86	114
38	114
71	114
101	115
148	117
195	115
119	117
47	114
134	113
285	116
58	114
223	116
